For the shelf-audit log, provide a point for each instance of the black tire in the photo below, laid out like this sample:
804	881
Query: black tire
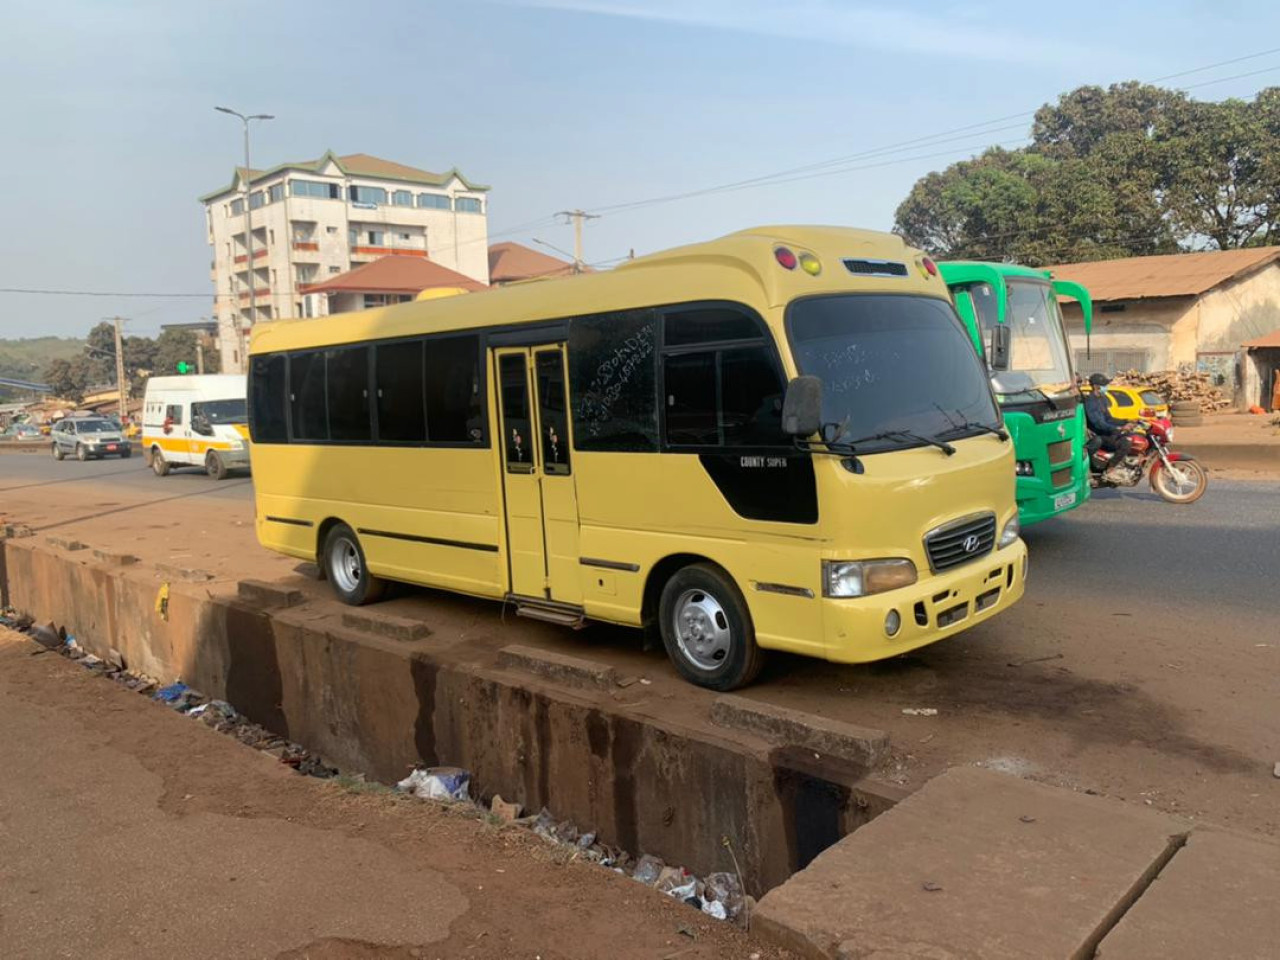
720	652
159	465
1189	469
215	466
57	452
342	560
1187	420
1186	406
81	453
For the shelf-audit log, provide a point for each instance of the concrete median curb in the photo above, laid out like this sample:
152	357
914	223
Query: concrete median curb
558	667
1235	456
863	745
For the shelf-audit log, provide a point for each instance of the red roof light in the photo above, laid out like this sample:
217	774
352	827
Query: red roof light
785	257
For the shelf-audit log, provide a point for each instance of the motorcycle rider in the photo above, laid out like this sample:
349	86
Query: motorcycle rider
1109	433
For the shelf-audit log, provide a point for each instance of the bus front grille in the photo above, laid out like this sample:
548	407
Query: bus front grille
960	541
1061	478
1060	452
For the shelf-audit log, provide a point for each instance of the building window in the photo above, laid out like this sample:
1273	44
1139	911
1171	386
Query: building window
372	300
275	193
468	205
405	236
271	237
434	201
332	231
377	238
237	207
313	188
353	236
402	198
374	195
335	269
257	199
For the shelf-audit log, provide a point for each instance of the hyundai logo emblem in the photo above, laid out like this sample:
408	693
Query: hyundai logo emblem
970	543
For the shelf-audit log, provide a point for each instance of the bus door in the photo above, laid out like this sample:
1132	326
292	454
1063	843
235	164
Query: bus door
541	500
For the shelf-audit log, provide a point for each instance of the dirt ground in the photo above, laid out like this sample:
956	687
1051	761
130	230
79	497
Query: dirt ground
128	830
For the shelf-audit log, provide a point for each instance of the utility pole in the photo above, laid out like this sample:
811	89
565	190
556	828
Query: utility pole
577	217
248	228
121	384
199	357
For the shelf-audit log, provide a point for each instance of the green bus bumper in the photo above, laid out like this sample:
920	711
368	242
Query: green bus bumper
1037	501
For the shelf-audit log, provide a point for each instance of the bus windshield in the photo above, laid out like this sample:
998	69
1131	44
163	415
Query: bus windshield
222	411
891	363
1038	345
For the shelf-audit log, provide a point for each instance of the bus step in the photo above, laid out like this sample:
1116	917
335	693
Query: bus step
564	614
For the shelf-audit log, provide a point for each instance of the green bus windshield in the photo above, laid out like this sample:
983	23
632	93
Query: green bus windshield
1038	346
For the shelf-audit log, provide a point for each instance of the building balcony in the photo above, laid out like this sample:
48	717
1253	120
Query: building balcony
373	252
258	253
260	293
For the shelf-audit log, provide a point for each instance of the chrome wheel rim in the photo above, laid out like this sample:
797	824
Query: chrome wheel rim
344	565
701	629
1181	481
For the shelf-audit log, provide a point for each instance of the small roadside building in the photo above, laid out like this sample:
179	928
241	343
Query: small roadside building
1260	372
391	279
1187	310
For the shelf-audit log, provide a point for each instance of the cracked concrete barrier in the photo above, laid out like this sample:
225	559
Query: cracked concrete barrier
974	865
1219	897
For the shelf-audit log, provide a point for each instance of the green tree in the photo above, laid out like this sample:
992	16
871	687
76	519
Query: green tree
69	378
174	346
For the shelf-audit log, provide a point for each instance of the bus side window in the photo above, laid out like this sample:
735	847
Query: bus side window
612	381
267	395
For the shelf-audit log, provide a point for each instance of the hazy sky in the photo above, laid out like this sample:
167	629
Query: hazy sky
109	132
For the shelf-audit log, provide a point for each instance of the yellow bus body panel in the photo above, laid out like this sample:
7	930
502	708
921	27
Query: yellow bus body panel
636	510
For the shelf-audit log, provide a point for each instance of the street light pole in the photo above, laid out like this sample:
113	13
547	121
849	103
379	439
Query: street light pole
248	225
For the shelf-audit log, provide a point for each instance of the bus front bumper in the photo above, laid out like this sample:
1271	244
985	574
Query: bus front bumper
928	611
1038	501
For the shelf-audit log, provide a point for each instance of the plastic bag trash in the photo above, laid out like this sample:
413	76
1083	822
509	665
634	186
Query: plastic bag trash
714	908
724	888
647	870
680	891
437	783
170	693
198	711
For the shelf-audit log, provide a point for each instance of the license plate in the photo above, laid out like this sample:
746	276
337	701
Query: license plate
1064	500
111	446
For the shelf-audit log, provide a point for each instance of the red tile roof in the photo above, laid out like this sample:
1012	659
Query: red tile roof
1172	275
394	274
1271	339
509	262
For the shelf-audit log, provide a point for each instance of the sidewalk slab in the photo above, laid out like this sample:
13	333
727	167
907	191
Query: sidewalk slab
1219	897
975	864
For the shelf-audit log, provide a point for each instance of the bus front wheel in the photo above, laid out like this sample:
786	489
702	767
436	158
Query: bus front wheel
346	569
707	630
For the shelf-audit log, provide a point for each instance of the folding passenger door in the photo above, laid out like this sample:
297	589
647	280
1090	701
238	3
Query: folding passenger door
541	502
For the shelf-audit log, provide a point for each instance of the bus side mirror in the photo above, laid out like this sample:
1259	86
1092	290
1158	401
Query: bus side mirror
802	407
1000	344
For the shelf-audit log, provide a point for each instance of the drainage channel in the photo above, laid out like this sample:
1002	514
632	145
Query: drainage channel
752	791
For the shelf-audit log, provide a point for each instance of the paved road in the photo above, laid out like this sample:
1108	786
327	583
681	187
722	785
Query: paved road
1143	662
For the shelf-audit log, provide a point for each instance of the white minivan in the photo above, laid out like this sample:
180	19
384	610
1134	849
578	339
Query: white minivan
199	421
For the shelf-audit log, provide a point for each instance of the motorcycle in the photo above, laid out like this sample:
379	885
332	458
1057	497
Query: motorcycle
1176	477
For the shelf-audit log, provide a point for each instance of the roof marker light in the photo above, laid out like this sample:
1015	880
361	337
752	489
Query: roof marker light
930	266
810	264
785	257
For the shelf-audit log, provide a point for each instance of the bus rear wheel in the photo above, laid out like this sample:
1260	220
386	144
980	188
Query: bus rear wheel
707	630
345	567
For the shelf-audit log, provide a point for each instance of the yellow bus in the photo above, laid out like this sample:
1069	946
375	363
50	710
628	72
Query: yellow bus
778	440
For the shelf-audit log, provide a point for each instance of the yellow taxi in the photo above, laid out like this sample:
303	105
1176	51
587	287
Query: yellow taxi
1135	403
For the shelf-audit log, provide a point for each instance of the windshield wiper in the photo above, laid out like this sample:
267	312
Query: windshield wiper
964	423
942	445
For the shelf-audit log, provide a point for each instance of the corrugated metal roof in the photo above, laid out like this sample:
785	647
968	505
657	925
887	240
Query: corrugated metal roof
1271	339
1173	275
509	262
394	274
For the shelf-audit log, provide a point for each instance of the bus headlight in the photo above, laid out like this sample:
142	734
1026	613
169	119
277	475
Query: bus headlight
861	578
1010	532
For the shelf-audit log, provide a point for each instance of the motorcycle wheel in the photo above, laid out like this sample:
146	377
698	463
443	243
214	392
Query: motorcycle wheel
1187	486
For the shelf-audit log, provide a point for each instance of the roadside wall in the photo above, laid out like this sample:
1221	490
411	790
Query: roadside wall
382	706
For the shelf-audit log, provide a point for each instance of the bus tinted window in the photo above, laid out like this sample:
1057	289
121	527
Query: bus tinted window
690	382
513	384
751	398
306	396
612	381
730	397
347	376
455	413
401	412
708	325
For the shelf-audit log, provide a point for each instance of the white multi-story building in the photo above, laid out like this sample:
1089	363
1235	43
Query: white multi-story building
320	218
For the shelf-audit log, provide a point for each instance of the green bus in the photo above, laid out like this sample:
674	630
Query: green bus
1013	317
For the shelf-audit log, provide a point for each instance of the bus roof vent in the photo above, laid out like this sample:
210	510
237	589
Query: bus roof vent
876	268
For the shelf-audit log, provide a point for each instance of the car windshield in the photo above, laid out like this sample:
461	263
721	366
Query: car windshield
224	411
96	426
891	363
